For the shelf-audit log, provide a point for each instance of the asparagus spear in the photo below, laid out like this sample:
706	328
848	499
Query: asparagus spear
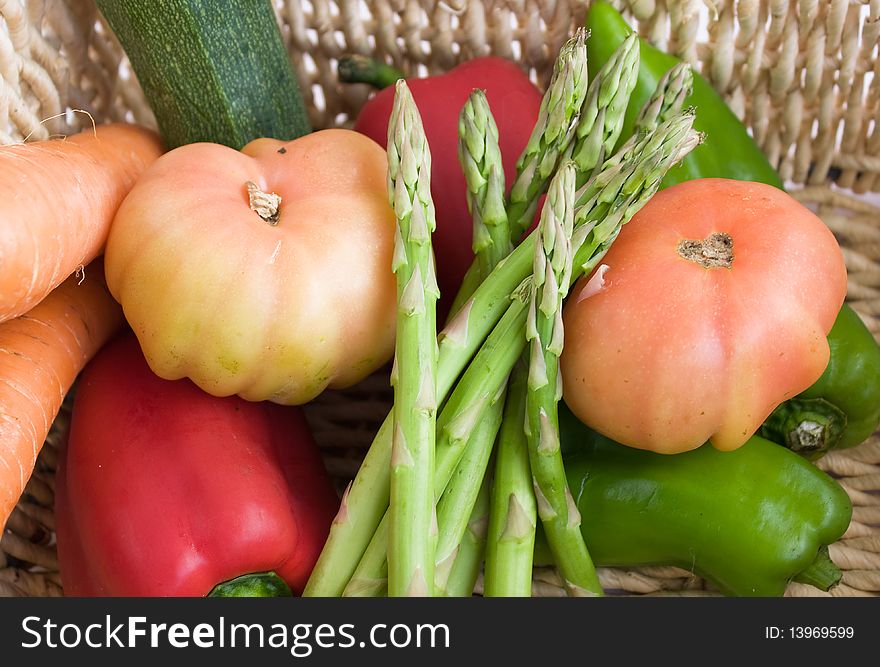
480	157
411	537
513	513
480	386
366	500
667	99
370	578
610	90
457	502
550	279
594	132
602	116
624	185
613	196
553	133
466	567
508	566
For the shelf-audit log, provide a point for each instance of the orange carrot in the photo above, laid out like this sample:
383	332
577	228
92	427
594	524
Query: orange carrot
41	353
57	200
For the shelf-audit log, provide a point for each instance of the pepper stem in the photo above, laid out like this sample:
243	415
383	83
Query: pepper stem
361	69
255	585
264	204
821	573
807	426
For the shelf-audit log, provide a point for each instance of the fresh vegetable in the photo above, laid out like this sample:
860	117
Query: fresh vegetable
555	130
480	155
711	308
728	152
514	101
479	152
264	273
471	550
57	200
609	92
164	490
353	560
513	513
210	73
551	138
455	507
41	353
412	539
842	408
749	520
622	188
513	505
551	275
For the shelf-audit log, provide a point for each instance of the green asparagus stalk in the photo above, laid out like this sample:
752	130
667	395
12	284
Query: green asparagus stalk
480	387
553	133
599	121
625	184
411	534
480	158
617	192
602	116
366	499
457	502
370	578
510	542
466	568
508	567
550	279
667	99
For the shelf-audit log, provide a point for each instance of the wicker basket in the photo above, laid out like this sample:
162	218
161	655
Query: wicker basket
804	75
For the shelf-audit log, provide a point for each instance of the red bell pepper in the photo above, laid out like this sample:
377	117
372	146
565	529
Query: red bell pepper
514	101
163	490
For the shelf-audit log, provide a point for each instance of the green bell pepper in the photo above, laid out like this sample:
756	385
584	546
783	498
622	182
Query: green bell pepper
749	520
842	408
728	150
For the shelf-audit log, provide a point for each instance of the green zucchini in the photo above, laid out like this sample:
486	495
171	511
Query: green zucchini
211	71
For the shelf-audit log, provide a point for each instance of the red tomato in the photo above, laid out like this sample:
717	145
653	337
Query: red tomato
716	303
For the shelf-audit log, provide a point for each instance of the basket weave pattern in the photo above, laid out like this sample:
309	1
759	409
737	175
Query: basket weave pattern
803	75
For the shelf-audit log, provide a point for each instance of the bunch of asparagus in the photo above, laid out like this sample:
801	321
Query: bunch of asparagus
427	509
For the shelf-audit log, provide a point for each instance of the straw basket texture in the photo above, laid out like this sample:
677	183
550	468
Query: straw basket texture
802	74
